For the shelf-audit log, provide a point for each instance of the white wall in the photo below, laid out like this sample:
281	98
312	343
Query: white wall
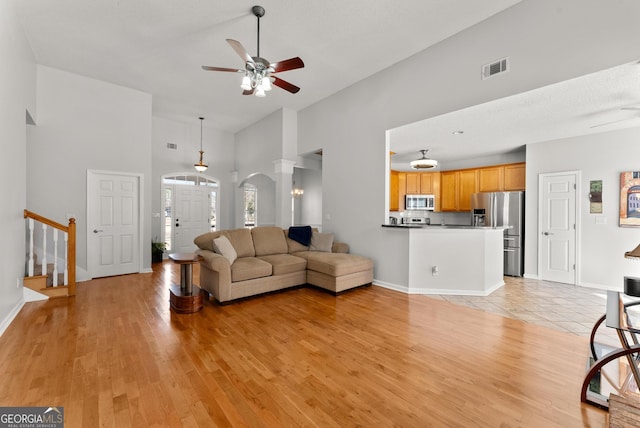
17	86
311	200
548	41
598	157
219	152
86	124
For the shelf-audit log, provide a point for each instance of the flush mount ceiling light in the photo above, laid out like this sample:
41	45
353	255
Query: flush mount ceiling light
424	162
258	72
201	166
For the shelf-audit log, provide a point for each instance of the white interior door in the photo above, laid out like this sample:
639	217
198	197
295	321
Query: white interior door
192	208
113	239
557	226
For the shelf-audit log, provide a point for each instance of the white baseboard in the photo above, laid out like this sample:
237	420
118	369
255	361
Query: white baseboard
391	286
444	291
32	295
147	270
4	324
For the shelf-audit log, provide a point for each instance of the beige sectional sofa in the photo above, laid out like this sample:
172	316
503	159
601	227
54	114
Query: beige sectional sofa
266	259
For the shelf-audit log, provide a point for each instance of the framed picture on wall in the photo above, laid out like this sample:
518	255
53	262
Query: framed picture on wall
630	199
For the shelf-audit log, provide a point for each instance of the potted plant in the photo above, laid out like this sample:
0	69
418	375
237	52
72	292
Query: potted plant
157	249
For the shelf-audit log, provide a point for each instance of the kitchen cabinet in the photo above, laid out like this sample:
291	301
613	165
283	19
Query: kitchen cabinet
468	186
453	189
422	183
515	177
402	189
394	199
456	188
449	191
502	178
491	179
413	183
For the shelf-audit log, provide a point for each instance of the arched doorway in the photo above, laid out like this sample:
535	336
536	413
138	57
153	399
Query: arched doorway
190	208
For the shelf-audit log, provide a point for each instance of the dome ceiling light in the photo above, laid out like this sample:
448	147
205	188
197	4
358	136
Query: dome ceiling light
424	162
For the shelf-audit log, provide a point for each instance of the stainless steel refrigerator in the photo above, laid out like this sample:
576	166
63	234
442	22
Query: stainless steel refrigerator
503	209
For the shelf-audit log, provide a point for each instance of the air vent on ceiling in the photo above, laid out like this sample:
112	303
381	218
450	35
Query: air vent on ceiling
172	146
496	67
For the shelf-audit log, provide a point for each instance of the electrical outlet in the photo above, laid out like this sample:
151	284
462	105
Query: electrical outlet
435	271
18	282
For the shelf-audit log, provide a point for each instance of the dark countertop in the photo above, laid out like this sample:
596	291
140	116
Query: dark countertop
440	226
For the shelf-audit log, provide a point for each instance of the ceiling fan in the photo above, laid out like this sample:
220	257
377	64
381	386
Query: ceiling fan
258	72
619	120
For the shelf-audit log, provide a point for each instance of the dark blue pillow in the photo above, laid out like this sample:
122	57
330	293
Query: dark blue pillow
301	234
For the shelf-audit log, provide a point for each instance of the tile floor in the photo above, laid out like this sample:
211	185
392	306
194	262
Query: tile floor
563	307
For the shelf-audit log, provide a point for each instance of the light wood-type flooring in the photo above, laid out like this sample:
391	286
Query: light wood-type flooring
115	356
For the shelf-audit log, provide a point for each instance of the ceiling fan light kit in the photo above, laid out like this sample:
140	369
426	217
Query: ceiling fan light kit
201	166
258	71
424	162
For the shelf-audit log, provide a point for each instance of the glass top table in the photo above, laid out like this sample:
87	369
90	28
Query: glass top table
614	368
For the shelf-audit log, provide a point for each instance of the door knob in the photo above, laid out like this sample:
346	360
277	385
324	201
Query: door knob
547	233
96	230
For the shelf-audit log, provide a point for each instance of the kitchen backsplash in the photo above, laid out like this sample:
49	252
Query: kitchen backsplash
463	218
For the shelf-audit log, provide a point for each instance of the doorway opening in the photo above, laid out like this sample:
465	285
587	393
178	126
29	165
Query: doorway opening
190	208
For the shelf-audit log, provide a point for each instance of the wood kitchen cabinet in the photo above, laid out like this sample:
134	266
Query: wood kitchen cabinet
468	186
515	177
456	188
413	183
502	178
449	190
422	183
491	179
394	199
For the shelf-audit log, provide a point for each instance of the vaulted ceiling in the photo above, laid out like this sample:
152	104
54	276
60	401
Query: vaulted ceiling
159	46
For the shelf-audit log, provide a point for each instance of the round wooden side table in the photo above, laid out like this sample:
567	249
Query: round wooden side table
185	298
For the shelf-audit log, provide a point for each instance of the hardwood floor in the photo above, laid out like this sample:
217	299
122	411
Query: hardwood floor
116	356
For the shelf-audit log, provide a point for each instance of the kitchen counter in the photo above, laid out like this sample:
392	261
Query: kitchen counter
449	259
441	226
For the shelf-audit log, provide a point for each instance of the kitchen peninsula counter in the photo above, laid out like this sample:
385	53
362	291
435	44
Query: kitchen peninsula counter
451	259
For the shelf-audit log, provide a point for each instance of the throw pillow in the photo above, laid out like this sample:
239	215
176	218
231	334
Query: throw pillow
301	234
223	246
321	242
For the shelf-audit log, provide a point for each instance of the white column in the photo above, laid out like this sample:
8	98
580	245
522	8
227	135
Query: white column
283	169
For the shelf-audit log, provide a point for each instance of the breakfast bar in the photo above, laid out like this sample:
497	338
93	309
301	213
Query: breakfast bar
458	260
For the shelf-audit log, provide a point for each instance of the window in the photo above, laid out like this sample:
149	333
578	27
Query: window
212	213
168	198
250	198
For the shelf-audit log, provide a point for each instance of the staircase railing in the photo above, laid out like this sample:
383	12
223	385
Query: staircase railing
69	258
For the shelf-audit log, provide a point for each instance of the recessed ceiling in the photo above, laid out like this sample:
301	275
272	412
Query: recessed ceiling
158	46
595	103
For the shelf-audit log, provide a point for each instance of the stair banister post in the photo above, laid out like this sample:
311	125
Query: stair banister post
31	262
71	248
55	257
44	249
66	258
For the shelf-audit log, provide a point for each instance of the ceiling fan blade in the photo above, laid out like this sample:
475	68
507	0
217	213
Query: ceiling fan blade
248	92
285	85
287	64
233	70
240	50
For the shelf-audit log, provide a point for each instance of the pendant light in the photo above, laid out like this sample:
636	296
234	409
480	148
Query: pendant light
201	166
424	162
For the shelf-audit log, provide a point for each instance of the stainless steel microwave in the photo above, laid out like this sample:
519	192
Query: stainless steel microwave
420	202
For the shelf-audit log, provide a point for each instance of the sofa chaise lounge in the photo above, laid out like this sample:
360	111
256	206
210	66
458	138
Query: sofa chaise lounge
248	262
